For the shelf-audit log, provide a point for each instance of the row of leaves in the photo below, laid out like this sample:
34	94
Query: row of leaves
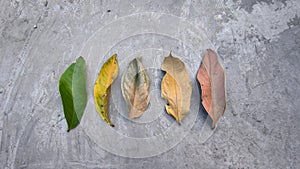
176	88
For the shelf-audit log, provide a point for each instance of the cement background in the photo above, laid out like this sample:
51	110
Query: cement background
258	42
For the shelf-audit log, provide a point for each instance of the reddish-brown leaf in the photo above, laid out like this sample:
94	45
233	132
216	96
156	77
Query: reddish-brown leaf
211	77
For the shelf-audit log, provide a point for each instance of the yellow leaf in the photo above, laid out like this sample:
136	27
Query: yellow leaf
176	88
107	75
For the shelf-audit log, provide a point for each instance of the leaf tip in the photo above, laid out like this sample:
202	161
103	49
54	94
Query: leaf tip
170	53
213	126
211	53
80	58
210	50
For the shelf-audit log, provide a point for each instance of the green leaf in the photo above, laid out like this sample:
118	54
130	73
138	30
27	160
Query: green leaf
73	94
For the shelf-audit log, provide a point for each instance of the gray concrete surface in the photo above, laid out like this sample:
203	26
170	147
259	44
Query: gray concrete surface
259	45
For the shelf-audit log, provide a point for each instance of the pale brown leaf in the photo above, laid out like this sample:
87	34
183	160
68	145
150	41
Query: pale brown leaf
211	77
135	88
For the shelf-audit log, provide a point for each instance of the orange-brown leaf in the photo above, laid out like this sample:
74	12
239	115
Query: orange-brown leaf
211	77
176	87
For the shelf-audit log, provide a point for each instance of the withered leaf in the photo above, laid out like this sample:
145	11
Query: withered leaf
211	77
176	87
107	75
135	88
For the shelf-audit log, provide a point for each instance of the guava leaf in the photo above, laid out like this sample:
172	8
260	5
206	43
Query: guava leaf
107	75
176	87
211	77
135	88
73	94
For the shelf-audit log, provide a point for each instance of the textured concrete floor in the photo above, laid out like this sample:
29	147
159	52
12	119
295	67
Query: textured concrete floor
259	45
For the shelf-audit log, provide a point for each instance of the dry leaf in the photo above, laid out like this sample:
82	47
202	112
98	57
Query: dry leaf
107	75
135	88
176	88
212	80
